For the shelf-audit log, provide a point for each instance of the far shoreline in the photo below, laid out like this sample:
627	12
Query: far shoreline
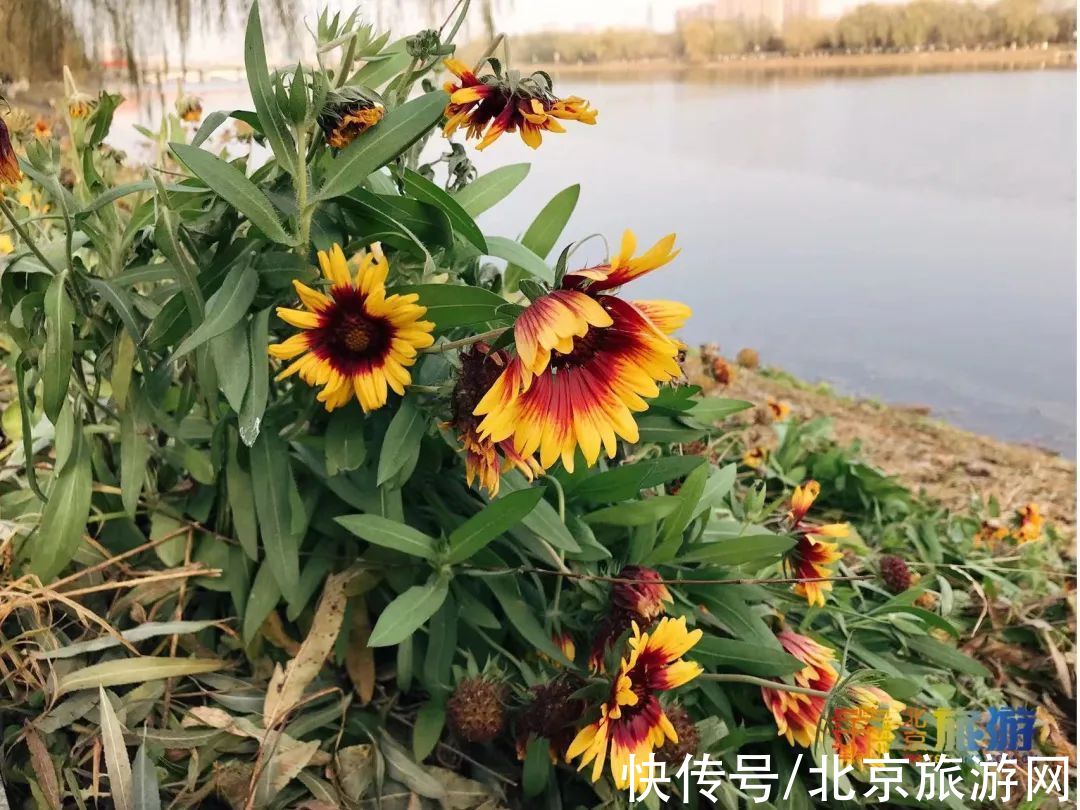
825	64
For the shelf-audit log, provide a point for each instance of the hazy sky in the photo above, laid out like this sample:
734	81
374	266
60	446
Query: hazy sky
512	16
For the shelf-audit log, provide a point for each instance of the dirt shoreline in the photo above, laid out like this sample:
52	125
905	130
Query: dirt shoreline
828	64
952	465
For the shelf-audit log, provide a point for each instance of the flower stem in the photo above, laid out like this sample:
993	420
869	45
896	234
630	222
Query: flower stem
764	682
449	346
303	221
494	46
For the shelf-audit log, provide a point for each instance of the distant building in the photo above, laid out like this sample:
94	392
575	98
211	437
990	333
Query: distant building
775	11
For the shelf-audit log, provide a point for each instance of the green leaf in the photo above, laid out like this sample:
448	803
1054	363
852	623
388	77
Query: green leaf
665	430
739	550
117	764
543	520
402	440
259	387
453	305
423	189
544	232
134	670
264	596
389	534
63	520
393	59
626	481
134	454
746	656
262	93
59	347
635	513
232	361
229	183
713	409
523	618
397	131
491	521
224	309
519	255
241	503
409	610
427	729
927	616
716	488
675	524
345	446
209	126
272	480
489	189
536	772
423	224
949	658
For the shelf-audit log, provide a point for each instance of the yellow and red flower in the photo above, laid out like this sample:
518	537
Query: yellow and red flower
585	361
485	460
643	592
797	715
777	409
632	721
42	130
864	728
1031	524
814	554
754	457
346	114
355	340
990	531
81	105
490	105
189	108
9	164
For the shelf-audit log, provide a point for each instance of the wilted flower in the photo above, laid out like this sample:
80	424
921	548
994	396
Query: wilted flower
552	712
813	556
80	105
1031	524
754	457
485	460
492	105
747	358
721	371
189	108
42	130
778	410
632	721
476	711
585	361
355	340
864	729
640	601
347	113
895	573
797	715
9	164
990	531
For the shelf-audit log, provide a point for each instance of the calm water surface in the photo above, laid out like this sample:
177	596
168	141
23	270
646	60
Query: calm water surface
910	238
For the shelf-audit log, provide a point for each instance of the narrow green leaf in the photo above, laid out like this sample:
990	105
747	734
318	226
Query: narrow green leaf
402	440
64	517
117	764
272	480
134	454
423	189
262	93
397	131
427	729
536	772
489	189
544	232
264	596
746	656
635	513
519	255
391	61
209	126
232	361
408	612
671	533
241	503
144	782
946	657
345	446
523	618
453	305
626	481
739	550
389	534
491	521
229	183
259	386
59	346
225	308
713	409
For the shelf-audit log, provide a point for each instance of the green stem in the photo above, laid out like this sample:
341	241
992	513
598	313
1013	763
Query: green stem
750	679
304	214
25	236
494	46
449	346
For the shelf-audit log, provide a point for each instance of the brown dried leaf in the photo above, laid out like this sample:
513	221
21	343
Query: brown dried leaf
42	765
273	630
287	686
360	658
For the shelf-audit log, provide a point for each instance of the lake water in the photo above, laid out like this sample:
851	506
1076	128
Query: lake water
910	238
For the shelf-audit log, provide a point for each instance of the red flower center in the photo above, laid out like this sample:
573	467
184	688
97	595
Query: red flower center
347	337
585	349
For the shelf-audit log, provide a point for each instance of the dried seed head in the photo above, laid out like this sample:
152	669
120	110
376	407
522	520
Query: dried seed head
687	733
476	710
895	573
